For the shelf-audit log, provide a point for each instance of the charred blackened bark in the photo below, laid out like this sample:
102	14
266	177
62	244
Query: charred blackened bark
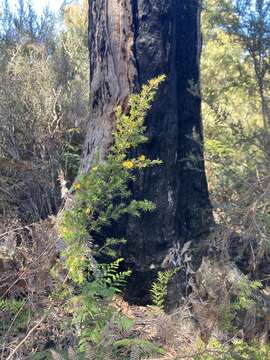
132	41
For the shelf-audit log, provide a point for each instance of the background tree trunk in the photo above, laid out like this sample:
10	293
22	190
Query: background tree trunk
132	41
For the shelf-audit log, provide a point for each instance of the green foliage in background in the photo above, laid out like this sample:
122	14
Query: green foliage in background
44	92
231	106
235	87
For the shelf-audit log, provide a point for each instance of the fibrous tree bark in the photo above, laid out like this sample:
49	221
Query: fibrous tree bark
132	41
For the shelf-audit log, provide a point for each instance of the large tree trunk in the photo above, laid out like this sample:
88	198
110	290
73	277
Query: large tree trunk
132	41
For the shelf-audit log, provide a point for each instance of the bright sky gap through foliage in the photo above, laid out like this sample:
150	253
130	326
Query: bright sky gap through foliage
39	5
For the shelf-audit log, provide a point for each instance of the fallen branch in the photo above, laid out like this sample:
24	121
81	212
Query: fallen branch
27	336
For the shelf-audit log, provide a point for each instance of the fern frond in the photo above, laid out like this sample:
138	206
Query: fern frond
135	353
159	288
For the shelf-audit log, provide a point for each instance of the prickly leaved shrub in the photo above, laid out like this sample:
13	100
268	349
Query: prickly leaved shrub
101	197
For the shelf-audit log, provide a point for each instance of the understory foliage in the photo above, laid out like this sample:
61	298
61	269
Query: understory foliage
101	197
74	300
237	350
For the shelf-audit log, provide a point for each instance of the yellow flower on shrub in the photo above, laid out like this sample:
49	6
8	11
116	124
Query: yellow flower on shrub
88	211
142	158
77	186
64	230
128	164
95	168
